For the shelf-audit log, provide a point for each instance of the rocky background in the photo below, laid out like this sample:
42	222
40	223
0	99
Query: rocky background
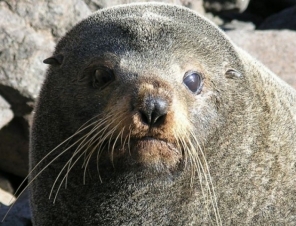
29	30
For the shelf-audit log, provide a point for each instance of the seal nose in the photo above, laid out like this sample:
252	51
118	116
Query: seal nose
154	111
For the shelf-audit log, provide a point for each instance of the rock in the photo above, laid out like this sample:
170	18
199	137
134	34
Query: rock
218	6
6	113
256	12
22	51
14	147
276	4
265	8
238	25
95	5
273	48
5	185
285	19
6	198
196	5
53	16
28	33
109	3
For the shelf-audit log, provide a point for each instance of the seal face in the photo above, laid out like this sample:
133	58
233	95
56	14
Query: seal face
143	114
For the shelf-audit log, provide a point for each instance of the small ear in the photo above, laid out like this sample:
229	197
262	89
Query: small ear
54	60
231	73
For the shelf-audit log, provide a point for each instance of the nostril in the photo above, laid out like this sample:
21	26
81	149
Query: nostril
153	111
157	119
146	118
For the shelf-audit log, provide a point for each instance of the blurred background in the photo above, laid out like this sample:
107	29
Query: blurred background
29	30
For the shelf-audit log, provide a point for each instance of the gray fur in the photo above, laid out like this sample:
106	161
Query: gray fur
245	124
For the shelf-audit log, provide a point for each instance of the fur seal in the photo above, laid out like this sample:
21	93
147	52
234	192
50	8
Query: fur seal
150	115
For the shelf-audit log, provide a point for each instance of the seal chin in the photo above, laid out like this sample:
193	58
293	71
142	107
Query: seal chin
149	152
154	152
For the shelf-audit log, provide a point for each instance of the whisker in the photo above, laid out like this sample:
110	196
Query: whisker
78	149
191	160
92	141
114	129
30	182
112	150
121	135
90	154
95	137
179	147
89	142
212	190
68	162
101	123
98	124
195	164
49	153
98	157
99	144
66	176
129	140
201	171
81	145
126	138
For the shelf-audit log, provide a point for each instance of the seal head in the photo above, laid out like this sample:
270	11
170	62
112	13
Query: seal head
145	109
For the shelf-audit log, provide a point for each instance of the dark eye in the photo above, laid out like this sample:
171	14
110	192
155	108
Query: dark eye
193	81
102	77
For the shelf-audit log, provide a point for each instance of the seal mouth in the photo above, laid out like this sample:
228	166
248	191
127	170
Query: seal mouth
149	144
149	151
149	138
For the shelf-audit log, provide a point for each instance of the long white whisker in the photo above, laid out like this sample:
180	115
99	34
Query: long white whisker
29	183
101	139
89	142
201	171
81	145
49	153
112	150
212	191
67	175
96	136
